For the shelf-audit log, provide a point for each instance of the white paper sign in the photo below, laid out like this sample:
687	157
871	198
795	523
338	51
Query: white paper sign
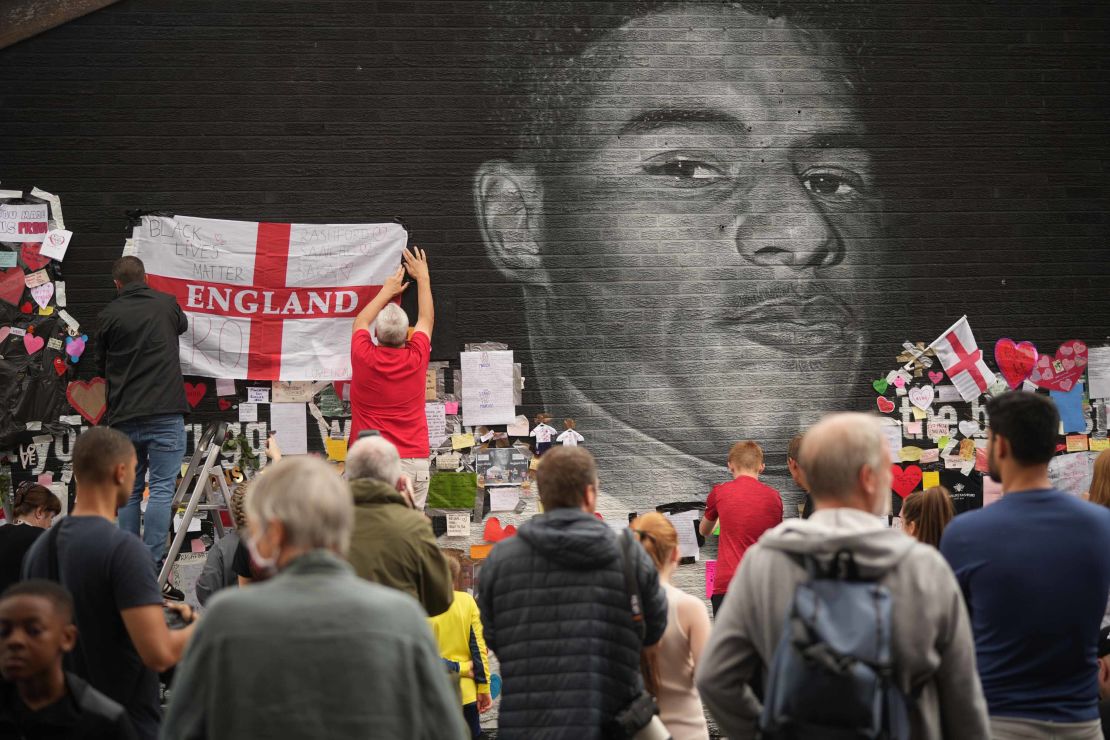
258	395
23	222
60	293
225	387
1098	372
487	388
458	524
289	421
437	424
55	244
687	536
248	412
504	498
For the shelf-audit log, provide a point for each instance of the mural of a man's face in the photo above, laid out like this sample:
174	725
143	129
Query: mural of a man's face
695	231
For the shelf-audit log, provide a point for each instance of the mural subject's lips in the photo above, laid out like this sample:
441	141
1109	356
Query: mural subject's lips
807	323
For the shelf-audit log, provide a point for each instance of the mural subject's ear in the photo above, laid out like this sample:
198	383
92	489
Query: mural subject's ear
507	199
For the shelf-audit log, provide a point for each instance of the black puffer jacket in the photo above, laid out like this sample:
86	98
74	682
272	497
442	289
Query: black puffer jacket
556	613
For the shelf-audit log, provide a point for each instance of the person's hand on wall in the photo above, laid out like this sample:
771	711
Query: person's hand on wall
273	451
395	284
416	262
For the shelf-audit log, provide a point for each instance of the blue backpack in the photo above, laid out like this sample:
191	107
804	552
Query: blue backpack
831	676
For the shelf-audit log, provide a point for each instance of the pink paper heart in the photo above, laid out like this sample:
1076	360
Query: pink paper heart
32	343
43	293
1046	376
936	376
899	381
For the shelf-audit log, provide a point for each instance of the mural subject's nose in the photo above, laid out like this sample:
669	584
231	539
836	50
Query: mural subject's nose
785	228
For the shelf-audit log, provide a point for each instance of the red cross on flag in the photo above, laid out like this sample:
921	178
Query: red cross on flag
963	360
267	301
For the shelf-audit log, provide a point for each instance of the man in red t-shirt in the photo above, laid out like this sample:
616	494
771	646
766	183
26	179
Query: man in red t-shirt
746	509
388	378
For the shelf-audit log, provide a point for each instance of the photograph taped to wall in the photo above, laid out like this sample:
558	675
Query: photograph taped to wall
501	466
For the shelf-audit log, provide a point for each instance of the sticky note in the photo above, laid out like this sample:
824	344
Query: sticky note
930	456
7	259
225	387
930	478
462	441
913	427
918	414
336	448
451	408
1098	444
910	454
1076	442
480	552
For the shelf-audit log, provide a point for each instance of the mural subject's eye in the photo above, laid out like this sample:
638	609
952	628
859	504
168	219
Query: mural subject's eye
685	172
833	185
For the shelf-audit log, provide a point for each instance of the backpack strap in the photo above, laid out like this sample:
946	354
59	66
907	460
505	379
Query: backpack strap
631	585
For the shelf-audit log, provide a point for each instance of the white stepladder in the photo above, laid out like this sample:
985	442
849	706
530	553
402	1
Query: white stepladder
205	478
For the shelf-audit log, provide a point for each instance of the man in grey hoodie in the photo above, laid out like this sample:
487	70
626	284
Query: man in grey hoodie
847	466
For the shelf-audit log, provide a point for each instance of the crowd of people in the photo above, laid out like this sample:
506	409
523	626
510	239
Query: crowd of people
330	611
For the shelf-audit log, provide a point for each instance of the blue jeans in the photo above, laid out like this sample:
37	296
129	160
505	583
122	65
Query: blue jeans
160	448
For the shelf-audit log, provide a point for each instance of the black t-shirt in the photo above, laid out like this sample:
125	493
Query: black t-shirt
242	564
58	721
107	570
15	541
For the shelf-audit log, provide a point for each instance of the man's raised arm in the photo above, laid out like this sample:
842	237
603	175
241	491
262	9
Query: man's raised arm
416	262
394	285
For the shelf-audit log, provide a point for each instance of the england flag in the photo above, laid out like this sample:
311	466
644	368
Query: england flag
963	360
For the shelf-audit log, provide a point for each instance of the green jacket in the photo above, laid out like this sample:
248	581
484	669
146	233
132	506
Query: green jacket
315	652
394	545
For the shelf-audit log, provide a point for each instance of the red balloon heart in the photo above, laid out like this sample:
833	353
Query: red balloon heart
494	531
885	404
904	481
59	366
29	253
1062	372
1015	360
12	285
195	393
224	404
26	307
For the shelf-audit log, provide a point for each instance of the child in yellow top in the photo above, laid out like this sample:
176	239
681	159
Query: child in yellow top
458	631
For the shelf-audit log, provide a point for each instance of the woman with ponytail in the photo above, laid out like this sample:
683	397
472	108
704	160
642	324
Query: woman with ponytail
669	665
926	513
33	510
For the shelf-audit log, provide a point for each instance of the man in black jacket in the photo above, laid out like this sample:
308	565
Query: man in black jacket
556	611
42	700
137	352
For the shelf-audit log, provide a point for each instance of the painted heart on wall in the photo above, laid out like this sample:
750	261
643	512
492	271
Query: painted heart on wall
88	398
1015	360
885	404
1062	372
904	481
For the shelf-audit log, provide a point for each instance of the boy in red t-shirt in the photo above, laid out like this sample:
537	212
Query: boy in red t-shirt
746	509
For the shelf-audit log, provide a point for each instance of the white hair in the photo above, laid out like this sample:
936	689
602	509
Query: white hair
375	458
391	327
309	498
836	448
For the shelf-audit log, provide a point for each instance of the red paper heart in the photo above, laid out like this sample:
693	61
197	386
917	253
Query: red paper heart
88	398
1015	360
59	366
885	404
1072	359
224	404
904	481
195	392
936	376
29	253
26	307
12	283
495	533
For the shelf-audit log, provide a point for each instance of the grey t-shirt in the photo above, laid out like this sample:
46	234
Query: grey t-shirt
106	570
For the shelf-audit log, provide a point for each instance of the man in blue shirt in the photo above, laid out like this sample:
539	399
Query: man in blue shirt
1035	572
